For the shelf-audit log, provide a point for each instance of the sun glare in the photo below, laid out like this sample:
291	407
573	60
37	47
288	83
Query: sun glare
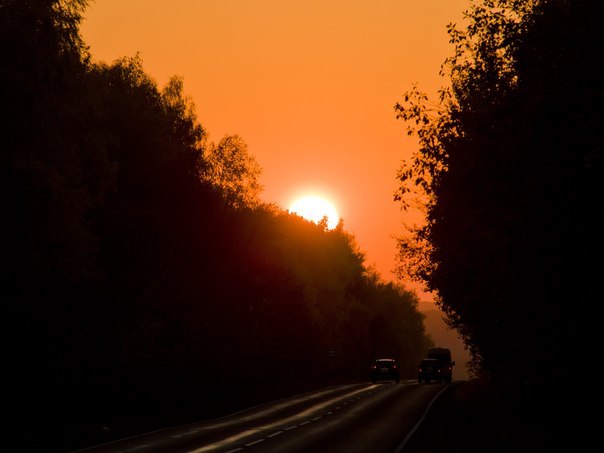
314	208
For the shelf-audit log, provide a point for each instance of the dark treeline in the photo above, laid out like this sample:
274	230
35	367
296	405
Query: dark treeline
512	164
141	277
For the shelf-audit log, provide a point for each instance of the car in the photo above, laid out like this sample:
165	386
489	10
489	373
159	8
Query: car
430	370
385	369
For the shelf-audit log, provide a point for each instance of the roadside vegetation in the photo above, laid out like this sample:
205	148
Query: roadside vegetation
144	282
509	172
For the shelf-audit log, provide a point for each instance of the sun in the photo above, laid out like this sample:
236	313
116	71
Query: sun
314	208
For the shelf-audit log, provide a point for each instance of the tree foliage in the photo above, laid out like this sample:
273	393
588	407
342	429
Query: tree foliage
510	161
234	171
138	259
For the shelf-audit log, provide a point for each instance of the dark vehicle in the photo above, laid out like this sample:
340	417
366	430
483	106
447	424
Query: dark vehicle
430	370
444	356
385	369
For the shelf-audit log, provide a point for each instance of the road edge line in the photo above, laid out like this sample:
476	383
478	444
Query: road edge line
420	421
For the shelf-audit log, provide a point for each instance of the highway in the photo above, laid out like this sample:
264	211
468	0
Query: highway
348	418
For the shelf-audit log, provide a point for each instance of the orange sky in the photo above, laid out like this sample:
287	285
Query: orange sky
310	85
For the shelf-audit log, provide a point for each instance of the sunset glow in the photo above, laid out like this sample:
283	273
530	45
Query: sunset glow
315	208
309	85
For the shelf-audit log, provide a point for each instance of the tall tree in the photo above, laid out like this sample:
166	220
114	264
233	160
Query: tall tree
511	164
234	171
54	176
50	159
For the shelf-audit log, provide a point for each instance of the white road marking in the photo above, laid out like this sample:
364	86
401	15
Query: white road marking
363	392
275	434
225	442
404	442
140	447
304	423
254	443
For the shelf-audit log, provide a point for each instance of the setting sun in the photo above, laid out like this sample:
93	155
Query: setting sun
314	208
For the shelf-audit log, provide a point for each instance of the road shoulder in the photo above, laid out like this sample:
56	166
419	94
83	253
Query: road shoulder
479	416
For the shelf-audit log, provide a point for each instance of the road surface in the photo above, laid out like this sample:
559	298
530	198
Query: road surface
348	418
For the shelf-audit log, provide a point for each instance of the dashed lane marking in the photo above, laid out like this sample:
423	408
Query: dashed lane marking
306	422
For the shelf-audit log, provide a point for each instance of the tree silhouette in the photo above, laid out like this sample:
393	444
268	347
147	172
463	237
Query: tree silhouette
138	259
510	159
231	168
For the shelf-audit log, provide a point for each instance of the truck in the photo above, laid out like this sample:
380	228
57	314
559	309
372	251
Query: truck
443	355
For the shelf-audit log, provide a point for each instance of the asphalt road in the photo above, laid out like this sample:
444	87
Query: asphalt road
344	418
